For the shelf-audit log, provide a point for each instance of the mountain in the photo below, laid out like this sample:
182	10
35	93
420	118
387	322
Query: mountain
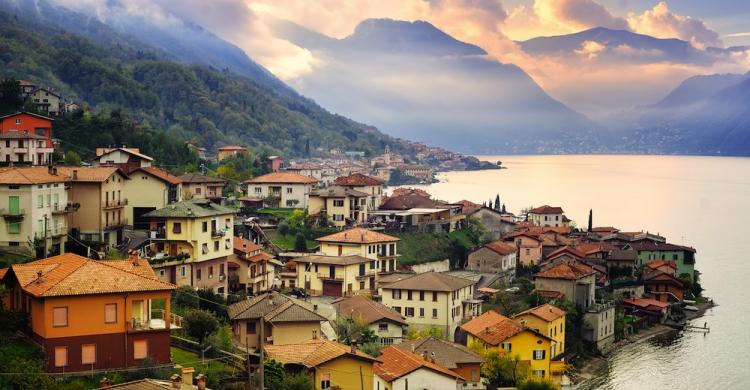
697	88
193	101
622	45
417	82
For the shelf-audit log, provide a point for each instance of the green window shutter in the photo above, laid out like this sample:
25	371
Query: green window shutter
14	227
39	201
13	205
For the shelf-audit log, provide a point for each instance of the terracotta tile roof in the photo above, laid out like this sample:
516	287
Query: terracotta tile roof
395	363
657	275
232	147
605	229
313	353
648	245
645	303
594	247
369	310
337	192
30	175
565	250
358	235
282	177
430	281
161	175
546	209
446	354
550	294
149	384
339	260
492	327
244	245
357	180
262	256
3	271
273	307
500	248
132	151
469	207
566	270
546	312
411	201
70	274
90	174
198	178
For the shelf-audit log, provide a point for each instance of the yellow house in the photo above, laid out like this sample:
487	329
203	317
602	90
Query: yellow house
365	243
547	320
335	276
494	331
333	365
343	206
148	189
192	241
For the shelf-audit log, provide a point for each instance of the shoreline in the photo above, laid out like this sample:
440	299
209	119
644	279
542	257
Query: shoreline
592	367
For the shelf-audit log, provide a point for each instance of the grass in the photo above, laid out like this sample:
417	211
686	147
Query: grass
287	242
277	212
191	359
416	248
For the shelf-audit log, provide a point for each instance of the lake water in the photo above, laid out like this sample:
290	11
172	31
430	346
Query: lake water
703	202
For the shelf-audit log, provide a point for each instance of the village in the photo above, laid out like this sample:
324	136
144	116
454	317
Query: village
120	273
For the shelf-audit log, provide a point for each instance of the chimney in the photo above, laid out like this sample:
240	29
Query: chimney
104	383
424	354
354	348
315	307
432	357
176	381
75	174
200	381
487	329
187	375
49	169
38	276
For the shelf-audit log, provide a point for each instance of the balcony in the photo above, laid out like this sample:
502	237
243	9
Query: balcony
14	214
328	277
114	225
157	234
155	321
58	209
115	204
20	150
216	233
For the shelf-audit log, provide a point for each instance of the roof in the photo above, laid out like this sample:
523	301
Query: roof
654	264
90	174
337	192
546	209
244	245
69	274
131	151
566	270
313	353
406	202
469	207
369	310
563	250
25	113
430	281
605	229
492	327
282	177
446	354
198	178
304	166
273	307
500	248
546	312
3	271
148	384
648	245
645	302
160	174
550	294
396	362
357	235
194	208
358	179
30	175
232	147
338	260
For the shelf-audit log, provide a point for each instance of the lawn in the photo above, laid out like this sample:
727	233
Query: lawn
416	248
192	359
277	212
287	242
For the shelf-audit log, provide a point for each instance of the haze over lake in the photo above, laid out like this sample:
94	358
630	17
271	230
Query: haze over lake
697	201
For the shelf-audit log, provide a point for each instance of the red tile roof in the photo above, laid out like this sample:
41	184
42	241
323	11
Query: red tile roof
546	312
282	177
369	310
395	363
566	270
244	245
469	207
645	303
500	248
546	210
358	235
313	353
565	250
161	175
357	179
3	271
492	327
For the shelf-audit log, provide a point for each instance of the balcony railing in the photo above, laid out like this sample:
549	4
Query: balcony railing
156	321
114	225
157	234
113	204
217	233
58	208
328	277
14	214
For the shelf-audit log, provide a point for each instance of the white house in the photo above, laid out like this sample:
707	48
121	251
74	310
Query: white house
282	189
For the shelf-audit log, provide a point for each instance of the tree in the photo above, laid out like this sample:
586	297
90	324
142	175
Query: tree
298	381
503	370
11	97
199	324
349	330
497	202
72	158
273	374
591	219
283	228
300	243
185	298
425	332
503	210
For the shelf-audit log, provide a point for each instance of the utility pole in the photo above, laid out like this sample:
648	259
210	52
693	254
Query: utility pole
261	372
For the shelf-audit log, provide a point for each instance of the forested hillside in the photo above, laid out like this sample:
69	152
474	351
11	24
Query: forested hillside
192	102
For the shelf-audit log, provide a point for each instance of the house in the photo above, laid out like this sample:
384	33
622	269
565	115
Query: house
308	169
650	310
332	365
343	206
422	172
100	195
363	242
251	270
386	323
191	242
275	163
26	138
569	279
495	331
565	253
432	300
622	259
286	320
127	159
335	276
400	369
547	320
225	152
494	221
659	281
371	186
468	207
46	101
148	189
529	248
182	381
599	324
547	216
683	256
282	189
35	207
495	257
452	356
91	315
197	186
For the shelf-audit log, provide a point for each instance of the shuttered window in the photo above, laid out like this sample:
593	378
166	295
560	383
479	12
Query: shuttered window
60	316
88	354
110	313
61	356
140	349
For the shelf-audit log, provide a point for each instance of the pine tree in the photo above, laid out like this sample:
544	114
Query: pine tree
497	202
489	204
503	210
591	219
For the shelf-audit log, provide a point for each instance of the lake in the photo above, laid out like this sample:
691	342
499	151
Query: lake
703	202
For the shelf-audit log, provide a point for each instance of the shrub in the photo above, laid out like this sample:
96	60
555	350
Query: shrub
200	324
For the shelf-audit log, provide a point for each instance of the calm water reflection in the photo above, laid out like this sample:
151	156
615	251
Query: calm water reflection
699	201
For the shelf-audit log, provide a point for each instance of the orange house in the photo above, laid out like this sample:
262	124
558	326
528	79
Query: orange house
92	315
30	123
529	248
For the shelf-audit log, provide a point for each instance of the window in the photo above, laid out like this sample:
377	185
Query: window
396	294
197	190
205	226
507	346
182	271
110	313
289	190
258	190
59	316
528	252
177	227
325	381
421	295
372	264
39	201
140	349
250	327
338	203
211	272
216	246
421	311
539	373
397	309
434	296
361	284
539	354
408	295
434	313
18	121
198	274
61	356
409	311
383	326
88	354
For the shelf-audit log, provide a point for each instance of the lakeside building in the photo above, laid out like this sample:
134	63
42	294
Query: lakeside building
282	189
529	248
343	206
683	256
599	324
371	186
570	280
496	223
547	320
547	216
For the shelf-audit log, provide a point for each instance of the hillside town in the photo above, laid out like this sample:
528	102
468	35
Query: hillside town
314	274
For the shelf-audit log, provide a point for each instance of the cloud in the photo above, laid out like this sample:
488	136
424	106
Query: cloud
663	23
578	14
590	49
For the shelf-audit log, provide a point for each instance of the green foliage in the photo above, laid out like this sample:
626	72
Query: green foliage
298	381
536	384
213	302
352	330
503	369
591	220
184	299
416	248
199	324
72	158
222	339
300	243
283	228
425	332
273	374
371	348
10	96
